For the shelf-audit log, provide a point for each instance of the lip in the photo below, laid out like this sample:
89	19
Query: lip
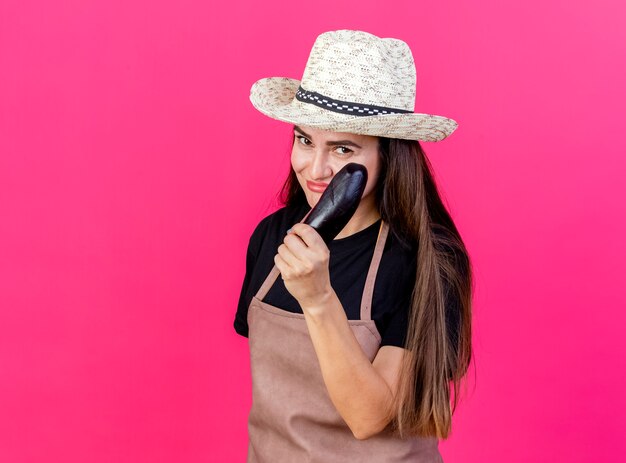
316	187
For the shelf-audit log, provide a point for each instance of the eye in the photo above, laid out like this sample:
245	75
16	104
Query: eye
344	151
303	140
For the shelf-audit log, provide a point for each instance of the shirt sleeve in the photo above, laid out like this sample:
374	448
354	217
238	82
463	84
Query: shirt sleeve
241	317
398	281
396	330
397	326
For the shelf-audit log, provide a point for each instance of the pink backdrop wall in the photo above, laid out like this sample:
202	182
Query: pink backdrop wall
133	169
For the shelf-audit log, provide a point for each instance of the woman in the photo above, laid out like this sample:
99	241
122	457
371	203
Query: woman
356	347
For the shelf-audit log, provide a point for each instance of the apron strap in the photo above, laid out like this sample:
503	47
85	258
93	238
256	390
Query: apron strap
267	284
368	291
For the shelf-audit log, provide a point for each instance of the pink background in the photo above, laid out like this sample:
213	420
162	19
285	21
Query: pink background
133	169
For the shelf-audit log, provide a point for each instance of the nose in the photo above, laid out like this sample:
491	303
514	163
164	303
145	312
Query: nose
320	169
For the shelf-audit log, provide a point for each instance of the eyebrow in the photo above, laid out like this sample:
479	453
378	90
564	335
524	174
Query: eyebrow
328	143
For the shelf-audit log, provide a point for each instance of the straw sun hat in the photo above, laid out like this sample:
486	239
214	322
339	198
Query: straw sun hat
353	82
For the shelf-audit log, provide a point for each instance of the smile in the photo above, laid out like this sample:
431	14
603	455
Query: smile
316	187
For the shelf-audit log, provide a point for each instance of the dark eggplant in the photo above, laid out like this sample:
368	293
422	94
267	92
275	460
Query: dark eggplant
338	202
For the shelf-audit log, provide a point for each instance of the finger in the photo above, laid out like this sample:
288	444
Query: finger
290	232
309	236
295	244
302	252
288	256
281	265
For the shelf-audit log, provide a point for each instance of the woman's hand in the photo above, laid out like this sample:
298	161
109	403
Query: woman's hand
303	263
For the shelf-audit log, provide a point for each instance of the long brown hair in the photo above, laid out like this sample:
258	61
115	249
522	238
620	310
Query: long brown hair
439	331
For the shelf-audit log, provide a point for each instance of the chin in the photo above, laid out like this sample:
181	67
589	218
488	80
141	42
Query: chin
312	201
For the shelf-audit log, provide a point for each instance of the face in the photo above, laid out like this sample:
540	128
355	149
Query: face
317	155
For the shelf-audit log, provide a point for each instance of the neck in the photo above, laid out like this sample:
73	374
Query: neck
365	215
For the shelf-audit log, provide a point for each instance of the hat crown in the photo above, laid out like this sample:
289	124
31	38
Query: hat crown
359	67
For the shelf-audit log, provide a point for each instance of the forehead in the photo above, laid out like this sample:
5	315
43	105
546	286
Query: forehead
329	135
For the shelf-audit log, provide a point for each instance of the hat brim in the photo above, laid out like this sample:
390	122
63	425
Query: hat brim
275	97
